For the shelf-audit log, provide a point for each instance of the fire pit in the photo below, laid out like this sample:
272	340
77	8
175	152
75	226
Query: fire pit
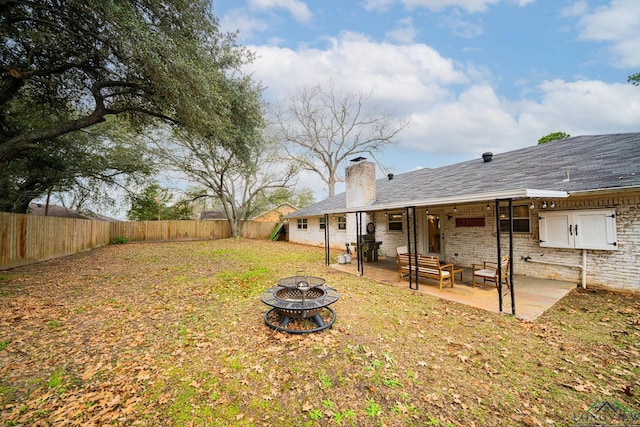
300	305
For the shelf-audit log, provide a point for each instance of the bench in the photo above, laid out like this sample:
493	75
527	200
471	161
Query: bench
428	267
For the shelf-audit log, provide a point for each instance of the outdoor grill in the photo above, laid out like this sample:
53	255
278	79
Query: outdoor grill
300	304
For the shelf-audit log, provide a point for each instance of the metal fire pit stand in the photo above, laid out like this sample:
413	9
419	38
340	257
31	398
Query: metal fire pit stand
299	297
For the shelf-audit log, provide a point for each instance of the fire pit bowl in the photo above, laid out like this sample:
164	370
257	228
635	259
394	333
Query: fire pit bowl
300	305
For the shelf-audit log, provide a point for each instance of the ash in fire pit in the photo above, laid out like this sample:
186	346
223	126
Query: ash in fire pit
300	305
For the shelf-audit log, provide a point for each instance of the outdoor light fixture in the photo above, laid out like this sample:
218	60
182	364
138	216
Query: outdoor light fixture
544	205
553	205
531	206
426	210
455	209
488	207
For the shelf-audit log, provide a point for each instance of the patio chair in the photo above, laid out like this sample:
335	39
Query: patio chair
489	271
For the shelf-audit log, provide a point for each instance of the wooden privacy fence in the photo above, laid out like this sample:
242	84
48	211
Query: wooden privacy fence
25	239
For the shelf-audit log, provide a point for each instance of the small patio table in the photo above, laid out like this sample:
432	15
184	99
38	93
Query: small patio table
458	270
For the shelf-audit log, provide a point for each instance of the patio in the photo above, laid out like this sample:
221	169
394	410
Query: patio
533	296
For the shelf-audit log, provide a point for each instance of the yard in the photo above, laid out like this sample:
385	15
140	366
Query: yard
172	334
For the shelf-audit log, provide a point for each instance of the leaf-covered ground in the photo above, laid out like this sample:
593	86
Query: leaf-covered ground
173	334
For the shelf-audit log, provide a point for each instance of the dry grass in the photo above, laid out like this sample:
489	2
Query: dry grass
172	334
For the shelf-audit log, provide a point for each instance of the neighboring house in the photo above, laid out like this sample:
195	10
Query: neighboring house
61	211
272	215
276	214
576	210
211	215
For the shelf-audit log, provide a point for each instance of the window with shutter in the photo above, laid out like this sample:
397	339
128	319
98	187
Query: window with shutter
583	229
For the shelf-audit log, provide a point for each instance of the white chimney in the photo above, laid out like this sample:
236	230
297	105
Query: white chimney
360	183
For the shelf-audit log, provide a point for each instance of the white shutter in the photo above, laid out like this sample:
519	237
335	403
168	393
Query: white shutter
595	229
554	230
584	229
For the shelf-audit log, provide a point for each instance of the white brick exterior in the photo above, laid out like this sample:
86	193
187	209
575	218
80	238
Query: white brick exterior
619	269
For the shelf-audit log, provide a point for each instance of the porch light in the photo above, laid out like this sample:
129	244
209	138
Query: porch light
552	205
531	206
455	209
544	205
426	210
488	207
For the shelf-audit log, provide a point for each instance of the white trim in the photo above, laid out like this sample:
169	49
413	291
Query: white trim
524	193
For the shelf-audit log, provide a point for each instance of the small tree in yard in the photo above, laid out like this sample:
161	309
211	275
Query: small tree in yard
553	136
322	128
153	204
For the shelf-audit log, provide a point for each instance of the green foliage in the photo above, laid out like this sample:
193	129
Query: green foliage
315	414
634	79
553	136
70	65
153	204
4	344
119	240
372	409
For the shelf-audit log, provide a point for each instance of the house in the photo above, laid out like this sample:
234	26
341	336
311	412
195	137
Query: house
272	215
574	206
61	211
276	214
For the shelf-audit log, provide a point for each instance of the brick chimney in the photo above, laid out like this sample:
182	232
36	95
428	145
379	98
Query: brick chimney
360	183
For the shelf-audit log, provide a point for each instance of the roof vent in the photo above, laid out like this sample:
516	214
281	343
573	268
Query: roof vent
390	176
358	159
487	156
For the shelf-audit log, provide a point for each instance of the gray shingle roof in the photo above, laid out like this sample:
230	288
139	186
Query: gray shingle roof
592	162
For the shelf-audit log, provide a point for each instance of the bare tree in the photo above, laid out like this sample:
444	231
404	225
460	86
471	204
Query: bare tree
321	129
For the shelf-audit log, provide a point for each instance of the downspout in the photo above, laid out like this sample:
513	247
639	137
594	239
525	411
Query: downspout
582	267
327	253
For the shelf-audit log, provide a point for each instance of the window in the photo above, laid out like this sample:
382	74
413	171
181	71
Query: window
521	220
394	221
583	229
302	223
342	223
323	224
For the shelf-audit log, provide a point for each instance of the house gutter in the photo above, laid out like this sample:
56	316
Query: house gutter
524	193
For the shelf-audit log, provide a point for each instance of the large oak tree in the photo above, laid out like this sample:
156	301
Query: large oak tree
67	65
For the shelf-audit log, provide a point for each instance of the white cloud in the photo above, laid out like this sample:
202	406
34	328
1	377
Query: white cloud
297	8
618	24
461	27
404	32
413	73
468	5
239	20
454	110
377	5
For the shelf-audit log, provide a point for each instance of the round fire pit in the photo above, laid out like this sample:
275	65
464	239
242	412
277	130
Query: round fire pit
300	305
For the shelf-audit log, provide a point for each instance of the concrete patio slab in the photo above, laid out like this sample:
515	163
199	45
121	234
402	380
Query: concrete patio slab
533	296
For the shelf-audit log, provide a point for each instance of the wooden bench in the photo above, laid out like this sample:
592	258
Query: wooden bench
428	267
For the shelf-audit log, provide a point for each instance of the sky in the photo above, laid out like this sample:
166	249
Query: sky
470	75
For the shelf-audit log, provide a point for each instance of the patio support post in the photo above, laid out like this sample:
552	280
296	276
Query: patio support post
511	260
415	243
406	215
359	243
499	284
326	240
410	212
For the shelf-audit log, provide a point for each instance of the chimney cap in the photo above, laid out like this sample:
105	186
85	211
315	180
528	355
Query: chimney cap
487	156
358	159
